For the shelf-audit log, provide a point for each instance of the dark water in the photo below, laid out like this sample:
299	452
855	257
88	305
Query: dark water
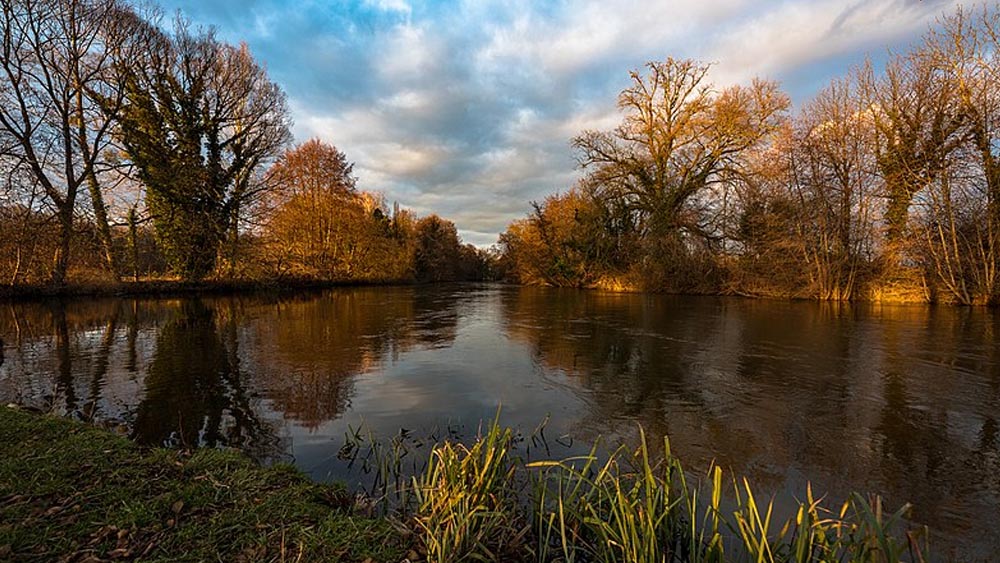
902	401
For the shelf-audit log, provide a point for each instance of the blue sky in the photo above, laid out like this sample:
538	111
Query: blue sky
467	109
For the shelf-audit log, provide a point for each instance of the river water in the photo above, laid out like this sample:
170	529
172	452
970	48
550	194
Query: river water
903	401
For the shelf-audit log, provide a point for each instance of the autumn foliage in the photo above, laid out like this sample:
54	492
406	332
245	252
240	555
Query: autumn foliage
320	226
130	148
885	186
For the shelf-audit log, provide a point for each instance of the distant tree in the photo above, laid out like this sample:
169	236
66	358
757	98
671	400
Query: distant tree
762	253
437	250
200	117
23	227
322	227
474	264
314	193
312	168
836	182
569	239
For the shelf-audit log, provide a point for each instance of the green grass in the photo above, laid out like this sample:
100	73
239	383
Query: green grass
465	506
69	491
632	507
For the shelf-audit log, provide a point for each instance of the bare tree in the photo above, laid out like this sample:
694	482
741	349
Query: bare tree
21	224
836	179
678	138
55	55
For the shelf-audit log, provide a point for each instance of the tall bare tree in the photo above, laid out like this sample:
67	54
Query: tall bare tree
54	56
836	181
678	137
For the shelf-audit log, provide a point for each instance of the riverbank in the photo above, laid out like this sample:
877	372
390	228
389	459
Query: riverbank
170	288
73	492
888	295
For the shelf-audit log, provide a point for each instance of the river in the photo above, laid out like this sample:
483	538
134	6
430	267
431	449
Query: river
902	401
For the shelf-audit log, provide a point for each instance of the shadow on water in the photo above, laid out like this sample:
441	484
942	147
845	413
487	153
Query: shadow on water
897	400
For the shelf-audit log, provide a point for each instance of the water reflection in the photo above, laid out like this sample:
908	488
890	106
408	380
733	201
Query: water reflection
195	391
308	351
896	400
899	400
213	371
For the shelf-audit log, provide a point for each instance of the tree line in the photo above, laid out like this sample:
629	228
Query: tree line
131	147
884	186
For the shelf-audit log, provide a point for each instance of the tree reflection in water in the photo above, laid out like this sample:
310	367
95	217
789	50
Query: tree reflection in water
213	371
308	350
891	399
900	400
195	392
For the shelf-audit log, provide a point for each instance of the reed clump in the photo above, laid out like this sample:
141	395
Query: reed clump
482	502
466	508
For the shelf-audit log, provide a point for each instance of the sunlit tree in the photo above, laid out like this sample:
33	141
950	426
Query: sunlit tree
678	138
60	92
320	226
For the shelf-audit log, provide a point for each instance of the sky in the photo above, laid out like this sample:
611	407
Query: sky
467	108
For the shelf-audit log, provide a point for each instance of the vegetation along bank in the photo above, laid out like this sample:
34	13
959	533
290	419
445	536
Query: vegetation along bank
180	165
73	492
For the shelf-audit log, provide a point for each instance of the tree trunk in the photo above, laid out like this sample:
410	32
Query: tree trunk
103	228
133	243
60	265
896	216
233	236
993	229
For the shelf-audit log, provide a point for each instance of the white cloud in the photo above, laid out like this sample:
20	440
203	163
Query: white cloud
401	6
787	36
409	53
467	109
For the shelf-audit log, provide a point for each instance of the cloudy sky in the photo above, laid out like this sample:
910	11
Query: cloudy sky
467	108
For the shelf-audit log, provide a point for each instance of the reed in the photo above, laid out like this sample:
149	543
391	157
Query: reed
482	502
467	509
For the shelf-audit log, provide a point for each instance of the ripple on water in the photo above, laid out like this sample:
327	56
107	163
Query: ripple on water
900	401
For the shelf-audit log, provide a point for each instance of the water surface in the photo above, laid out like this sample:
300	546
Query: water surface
901	401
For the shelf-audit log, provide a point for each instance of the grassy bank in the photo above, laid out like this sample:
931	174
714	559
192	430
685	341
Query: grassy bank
71	492
76	493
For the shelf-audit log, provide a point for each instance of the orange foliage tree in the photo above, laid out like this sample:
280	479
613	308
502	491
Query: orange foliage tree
322	227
